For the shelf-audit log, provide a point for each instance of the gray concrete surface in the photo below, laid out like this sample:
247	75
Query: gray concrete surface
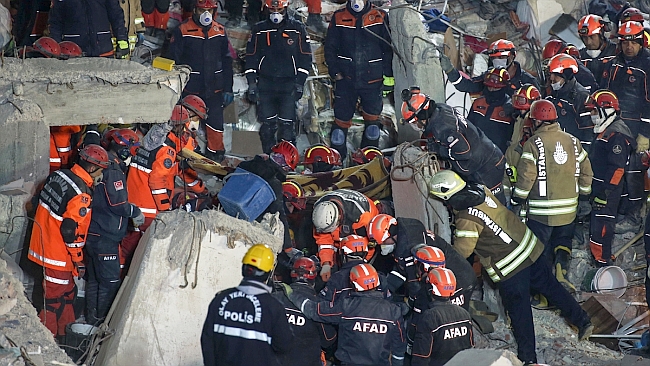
484	357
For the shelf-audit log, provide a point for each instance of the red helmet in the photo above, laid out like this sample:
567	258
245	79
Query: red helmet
413	102
47	47
206	4
496	78
501	47
430	257
591	24
443	282
95	154
552	48
379	227
602	98
276	4
562	62
632	31
293	193
289	152
524	96
354	244
365	155
196	105
180	115
572	50
304	268
123	137
543	110
632	15
69	50
322	153
364	277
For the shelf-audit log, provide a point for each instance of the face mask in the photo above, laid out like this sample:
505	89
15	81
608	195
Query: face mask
98	179
500	63
387	249
205	18
557	86
127	161
416	127
357	5
193	126
593	53
276	18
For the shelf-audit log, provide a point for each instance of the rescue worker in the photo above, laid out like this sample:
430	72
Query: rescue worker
584	76
367	154
246	325
63	142
449	135
62	219
370	327
336	215
501	55
202	43
634	15
111	213
598	51
443	329
278	60
359	57
91	26
235	9
553	174
294	196
353	250
156	15
321	158
569	98
182	116
310	336
612	151
492	111
510	254
314	19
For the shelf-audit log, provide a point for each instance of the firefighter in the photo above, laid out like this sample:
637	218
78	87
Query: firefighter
63	216
63	142
492	111
443	329
246	325
310	336
91	26
598	51
370	327
584	76
202	43
359	57
321	158
510	254
501	55
612	151
111	213
552	163
569	98
278	60
336	215
451	136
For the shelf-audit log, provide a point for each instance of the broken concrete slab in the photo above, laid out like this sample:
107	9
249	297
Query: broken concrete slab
631	360
484	357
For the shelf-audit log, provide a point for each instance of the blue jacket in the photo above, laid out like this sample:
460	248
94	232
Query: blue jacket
88	23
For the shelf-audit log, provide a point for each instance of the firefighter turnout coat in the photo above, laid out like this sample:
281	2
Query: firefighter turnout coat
553	170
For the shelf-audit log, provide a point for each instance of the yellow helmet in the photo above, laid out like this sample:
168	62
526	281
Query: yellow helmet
260	256
445	184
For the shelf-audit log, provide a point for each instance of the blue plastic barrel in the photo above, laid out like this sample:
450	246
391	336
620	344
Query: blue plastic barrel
245	195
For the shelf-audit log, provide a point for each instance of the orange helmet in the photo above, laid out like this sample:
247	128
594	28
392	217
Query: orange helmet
414	102
322	153
430	257
524	96
276	4
123	137
95	155
552	48
443	282
632	15
602	98
180	115
206	4
379	227
572	50
543	110
69	50
632	31
591	24
294	194
304	269
562	62
47	47
365	155
364	277
285	154
501	47
196	105
354	244
496	78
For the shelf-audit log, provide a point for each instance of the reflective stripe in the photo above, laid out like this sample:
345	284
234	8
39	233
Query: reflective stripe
140	167
466	234
519	255
521	193
45	206
529	156
148	210
242	333
582	156
69	181
585	190
551	203
47	260
303	70
398	275
56	280
63	149
76	245
193	183
55	160
460	78
326	246
551	211
159	191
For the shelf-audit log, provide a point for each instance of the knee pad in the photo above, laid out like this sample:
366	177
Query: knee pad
372	132
338	137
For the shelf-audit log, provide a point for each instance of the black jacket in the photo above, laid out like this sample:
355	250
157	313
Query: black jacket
611	151
309	335
569	102
358	46
475	84
586	78
494	118
245	326
88	23
597	64
371	328
339	286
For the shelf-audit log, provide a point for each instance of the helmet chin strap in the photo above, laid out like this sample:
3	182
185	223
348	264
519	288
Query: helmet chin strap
606	118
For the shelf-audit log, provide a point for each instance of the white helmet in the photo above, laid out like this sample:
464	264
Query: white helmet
445	184
326	217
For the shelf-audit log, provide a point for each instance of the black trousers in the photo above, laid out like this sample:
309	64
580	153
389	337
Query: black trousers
276	111
102	274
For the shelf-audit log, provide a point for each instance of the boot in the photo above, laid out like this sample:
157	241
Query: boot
585	331
216	156
631	223
562	258
315	21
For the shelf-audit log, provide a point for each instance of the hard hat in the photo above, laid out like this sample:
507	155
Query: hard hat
206	4
95	155
322	153
365	155
180	115
430	257
524	96
379	227
552	48
632	31
196	105
632	15
364	277
69	50
304	269
413	102
443	282
260	256
543	110
294	194
591	24
276	4
602	98
445	184
354	244
572	50
124	137
289	152
47	47
496	78
501	47
561	62
326	216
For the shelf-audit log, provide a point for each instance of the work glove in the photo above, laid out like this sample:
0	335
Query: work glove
326	272
389	85
138	220
584	208
79	270
642	143
228	97
286	289
291	253
253	93
599	202
445	63
299	91
122	49
515	205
